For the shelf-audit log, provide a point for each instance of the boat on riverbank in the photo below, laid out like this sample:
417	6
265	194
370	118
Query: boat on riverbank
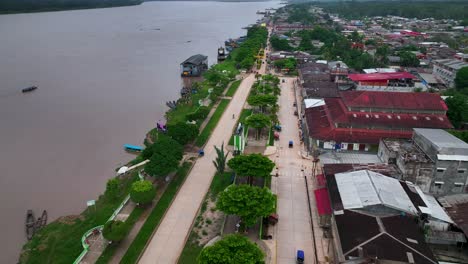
30	223
132	148
29	89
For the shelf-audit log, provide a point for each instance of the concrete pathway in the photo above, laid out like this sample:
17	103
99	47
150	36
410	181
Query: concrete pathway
168	241
293	230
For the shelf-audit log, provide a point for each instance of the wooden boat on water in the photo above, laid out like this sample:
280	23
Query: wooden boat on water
30	224
29	89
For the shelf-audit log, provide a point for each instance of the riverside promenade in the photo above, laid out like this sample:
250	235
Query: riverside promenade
168	242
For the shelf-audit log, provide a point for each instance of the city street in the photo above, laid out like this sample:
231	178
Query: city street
294	227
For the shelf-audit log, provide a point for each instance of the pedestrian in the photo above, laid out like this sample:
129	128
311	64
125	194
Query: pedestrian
233	116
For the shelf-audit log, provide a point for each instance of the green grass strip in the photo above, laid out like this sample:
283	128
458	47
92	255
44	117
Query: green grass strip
153	220
205	134
192	249
233	88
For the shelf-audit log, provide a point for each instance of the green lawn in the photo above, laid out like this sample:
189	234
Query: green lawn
156	215
192	249
233	88
60	241
205	134
244	114
180	112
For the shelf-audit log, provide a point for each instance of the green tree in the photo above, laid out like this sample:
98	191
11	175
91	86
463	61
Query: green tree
165	157
112	189
262	101
142	192
182	132
457	109
114	231
280	44
461	79
220	161
408	59
461	134
247	202
258	121
232	249
161	165
253	165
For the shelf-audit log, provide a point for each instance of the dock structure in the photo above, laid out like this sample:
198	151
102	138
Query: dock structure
194	66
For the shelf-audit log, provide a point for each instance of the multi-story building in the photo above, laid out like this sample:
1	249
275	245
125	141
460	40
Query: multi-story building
434	160
446	70
450	156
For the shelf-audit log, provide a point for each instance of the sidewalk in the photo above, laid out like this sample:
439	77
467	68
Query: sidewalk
167	243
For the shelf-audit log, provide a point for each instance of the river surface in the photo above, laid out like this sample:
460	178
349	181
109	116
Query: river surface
104	76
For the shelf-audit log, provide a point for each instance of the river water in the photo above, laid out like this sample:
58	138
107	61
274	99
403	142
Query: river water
104	76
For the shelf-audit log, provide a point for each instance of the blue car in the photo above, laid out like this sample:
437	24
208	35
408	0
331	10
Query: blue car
300	256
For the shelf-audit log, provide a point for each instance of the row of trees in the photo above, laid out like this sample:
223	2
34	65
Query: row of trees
244	56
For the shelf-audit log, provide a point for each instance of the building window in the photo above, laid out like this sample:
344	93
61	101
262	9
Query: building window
458	187
440	170
438	184
461	171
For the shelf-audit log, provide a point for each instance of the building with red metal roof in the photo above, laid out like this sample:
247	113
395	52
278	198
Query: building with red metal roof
384	81
359	119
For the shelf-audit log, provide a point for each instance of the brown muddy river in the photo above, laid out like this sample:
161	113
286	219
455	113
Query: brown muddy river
104	76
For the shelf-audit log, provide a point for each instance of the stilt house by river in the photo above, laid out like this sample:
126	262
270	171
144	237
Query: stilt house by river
194	66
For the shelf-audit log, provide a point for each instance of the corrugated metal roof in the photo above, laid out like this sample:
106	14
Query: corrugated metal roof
433	207
381	76
363	188
313	102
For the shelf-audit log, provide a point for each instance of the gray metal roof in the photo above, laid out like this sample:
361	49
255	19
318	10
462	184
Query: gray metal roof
452	63
445	142
359	189
195	59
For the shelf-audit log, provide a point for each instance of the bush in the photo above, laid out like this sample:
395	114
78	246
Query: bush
112	189
142	192
114	231
201	113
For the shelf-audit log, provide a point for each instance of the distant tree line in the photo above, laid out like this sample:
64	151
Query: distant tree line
409	9
25	6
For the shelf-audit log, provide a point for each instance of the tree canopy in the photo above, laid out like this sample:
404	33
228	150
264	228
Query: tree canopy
142	192
258	121
232	249
247	202
114	230
408	59
255	165
280	44
289	63
182	132
262	100
457	109
165	156
461	79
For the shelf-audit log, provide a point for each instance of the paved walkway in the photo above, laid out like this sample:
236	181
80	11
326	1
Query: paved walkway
294	226
169	240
